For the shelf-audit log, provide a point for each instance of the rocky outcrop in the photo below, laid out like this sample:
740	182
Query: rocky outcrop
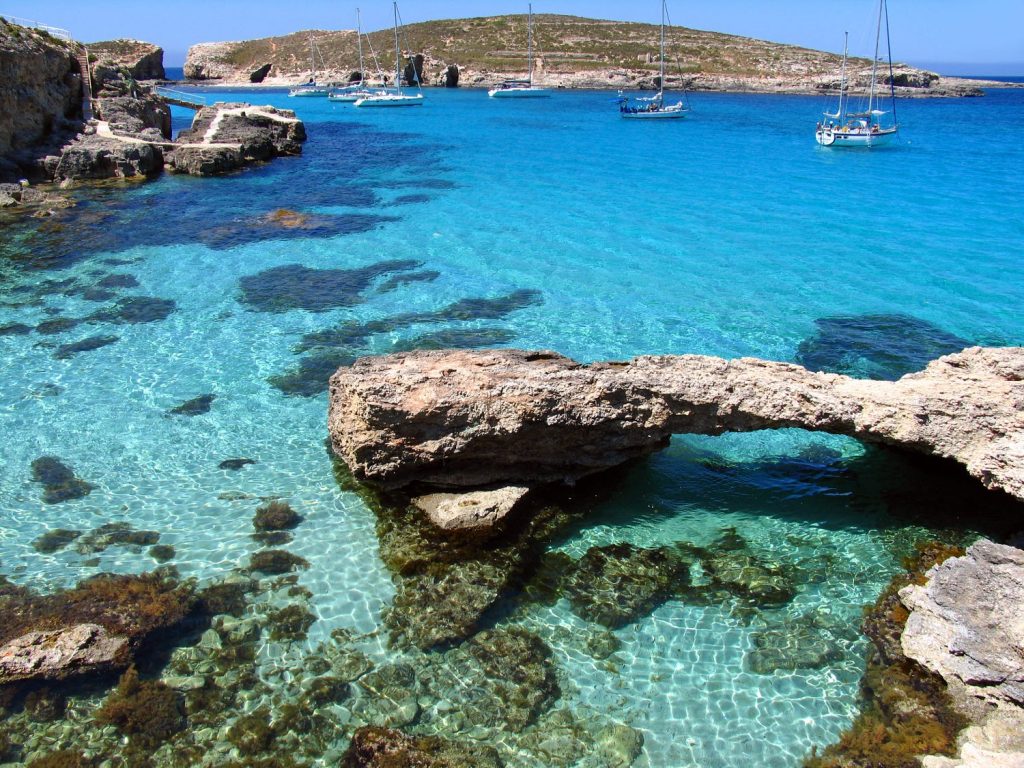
967	624
113	59
93	157
464	418
40	96
226	137
61	653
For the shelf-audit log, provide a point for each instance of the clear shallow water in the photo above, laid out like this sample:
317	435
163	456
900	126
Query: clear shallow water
728	234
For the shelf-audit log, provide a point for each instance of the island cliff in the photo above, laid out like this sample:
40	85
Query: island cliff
571	52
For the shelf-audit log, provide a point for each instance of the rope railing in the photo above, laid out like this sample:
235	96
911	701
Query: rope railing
188	98
63	34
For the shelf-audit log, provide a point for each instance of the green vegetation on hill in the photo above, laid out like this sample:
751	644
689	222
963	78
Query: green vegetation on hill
565	44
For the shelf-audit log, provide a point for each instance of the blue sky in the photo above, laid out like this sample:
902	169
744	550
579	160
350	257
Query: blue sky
950	35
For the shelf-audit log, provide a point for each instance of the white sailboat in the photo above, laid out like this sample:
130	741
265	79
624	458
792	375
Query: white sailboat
653	107
357	90
397	98
312	88
522	89
844	128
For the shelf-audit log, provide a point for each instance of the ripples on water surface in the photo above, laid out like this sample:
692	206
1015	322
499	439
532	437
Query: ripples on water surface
547	224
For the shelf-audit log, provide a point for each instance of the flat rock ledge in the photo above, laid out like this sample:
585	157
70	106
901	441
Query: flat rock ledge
61	653
967	625
464	419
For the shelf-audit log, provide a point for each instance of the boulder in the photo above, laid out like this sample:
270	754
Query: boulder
100	157
469	418
472	511
197	160
61	653
966	624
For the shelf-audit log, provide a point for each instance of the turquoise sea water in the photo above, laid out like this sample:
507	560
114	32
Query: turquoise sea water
729	233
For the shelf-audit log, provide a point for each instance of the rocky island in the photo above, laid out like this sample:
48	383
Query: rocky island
571	52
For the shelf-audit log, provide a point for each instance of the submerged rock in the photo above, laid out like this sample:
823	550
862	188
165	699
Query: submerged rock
377	747
233	465
65	351
274	562
811	641
463	418
115	535
275	516
618	584
194	407
59	480
55	540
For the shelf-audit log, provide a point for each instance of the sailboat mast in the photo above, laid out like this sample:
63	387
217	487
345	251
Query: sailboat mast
529	43
661	81
359	39
312	58
842	77
874	63
398	60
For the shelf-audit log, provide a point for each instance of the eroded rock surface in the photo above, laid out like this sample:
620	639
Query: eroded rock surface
967	623
469	418
468	512
61	653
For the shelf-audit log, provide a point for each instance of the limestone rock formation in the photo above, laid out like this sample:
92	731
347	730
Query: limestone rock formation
470	418
226	137
97	157
967	623
40	96
472	511
113	58
61	653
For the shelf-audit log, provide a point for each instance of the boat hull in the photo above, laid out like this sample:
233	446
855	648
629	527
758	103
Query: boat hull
664	114
519	93
308	93
391	100
861	139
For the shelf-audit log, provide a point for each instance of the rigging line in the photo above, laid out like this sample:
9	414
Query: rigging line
892	79
679	67
412	56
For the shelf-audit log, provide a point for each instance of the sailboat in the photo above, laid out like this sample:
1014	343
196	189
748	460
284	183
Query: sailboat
357	90
396	99
311	88
654	107
522	89
844	128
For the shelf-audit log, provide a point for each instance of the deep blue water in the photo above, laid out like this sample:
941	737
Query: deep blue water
729	233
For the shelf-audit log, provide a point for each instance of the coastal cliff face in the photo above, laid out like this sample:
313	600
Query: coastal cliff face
464	419
143	61
570	52
40	93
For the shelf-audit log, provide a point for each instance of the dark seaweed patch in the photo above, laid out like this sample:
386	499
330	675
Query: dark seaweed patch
417	183
98	294
134	310
194	407
54	540
457	338
233	465
309	377
115	535
425	276
58	480
875	346
15	329
352	334
64	351
411	199
294	286
118	281
57	325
